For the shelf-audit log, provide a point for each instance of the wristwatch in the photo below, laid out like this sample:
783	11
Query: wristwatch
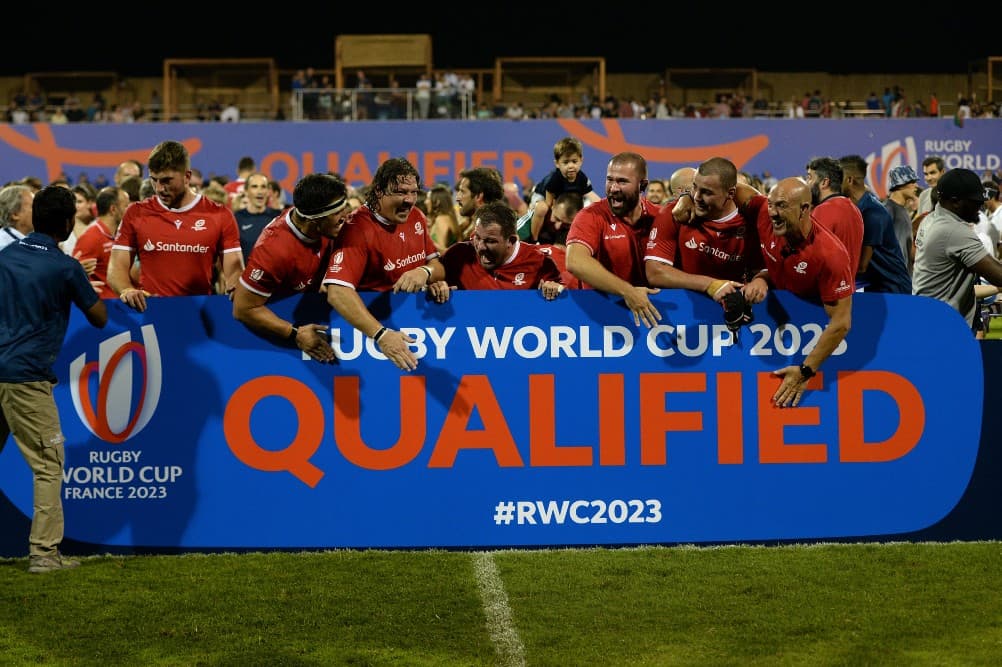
806	372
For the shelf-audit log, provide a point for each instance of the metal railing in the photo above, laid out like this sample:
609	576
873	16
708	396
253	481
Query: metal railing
379	104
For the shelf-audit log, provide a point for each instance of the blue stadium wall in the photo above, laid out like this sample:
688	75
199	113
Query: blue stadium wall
527	423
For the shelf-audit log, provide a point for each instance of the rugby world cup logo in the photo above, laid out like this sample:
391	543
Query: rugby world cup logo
122	408
892	154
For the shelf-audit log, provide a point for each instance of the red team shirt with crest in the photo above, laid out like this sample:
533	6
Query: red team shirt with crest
284	261
817	268
371	255
177	248
559	255
727	248
96	242
842	217
617	245
525	269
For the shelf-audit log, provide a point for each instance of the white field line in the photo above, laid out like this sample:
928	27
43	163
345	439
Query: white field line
502	629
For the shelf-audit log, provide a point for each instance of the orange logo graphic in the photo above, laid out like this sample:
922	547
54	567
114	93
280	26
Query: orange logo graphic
614	141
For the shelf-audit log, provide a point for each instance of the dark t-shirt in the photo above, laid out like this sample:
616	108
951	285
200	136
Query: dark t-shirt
250	225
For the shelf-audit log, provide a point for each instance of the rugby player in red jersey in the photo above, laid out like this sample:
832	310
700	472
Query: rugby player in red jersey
605	244
177	235
385	245
718	251
806	258
290	257
494	258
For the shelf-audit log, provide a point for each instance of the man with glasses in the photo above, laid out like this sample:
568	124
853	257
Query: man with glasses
291	257
385	245
949	256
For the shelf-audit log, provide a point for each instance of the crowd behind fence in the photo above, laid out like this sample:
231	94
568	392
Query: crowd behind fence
397	103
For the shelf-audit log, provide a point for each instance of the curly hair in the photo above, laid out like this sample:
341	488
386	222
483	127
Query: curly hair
390	173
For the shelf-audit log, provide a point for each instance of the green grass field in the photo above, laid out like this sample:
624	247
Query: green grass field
874	604
994	329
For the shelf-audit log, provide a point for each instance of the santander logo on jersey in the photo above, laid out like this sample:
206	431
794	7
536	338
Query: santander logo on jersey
122	408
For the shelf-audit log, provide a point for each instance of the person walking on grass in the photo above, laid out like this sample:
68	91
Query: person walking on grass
38	283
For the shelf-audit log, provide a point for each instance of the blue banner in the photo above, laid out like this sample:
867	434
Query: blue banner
522	151
526	423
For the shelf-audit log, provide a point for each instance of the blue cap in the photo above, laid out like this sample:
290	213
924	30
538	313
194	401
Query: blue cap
900	177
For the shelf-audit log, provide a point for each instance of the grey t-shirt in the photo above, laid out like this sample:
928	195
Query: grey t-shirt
945	249
925	201
902	227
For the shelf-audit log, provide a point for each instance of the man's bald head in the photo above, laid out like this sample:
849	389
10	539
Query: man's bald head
790	208
795	190
680	181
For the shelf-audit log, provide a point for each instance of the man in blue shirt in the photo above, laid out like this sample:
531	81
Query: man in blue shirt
38	282
882	267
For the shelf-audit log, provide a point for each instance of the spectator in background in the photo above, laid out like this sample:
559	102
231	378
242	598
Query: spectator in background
656	192
245	167
256	213
807	259
565	207
882	267
199	223
442	217
903	186
276	196
291	257
513	195
476	187
384	246
230	113
155	106
146	189
933	168
613	262
990	219
96	242
38	284
84	196
215	192
422	95
132	185
568	156
33	182
15	213
197	181
949	256
128	168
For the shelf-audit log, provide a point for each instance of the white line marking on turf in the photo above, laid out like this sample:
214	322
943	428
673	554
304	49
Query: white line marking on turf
502	629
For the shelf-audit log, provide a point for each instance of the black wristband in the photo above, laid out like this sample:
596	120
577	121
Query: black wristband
806	372
379	334
292	334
